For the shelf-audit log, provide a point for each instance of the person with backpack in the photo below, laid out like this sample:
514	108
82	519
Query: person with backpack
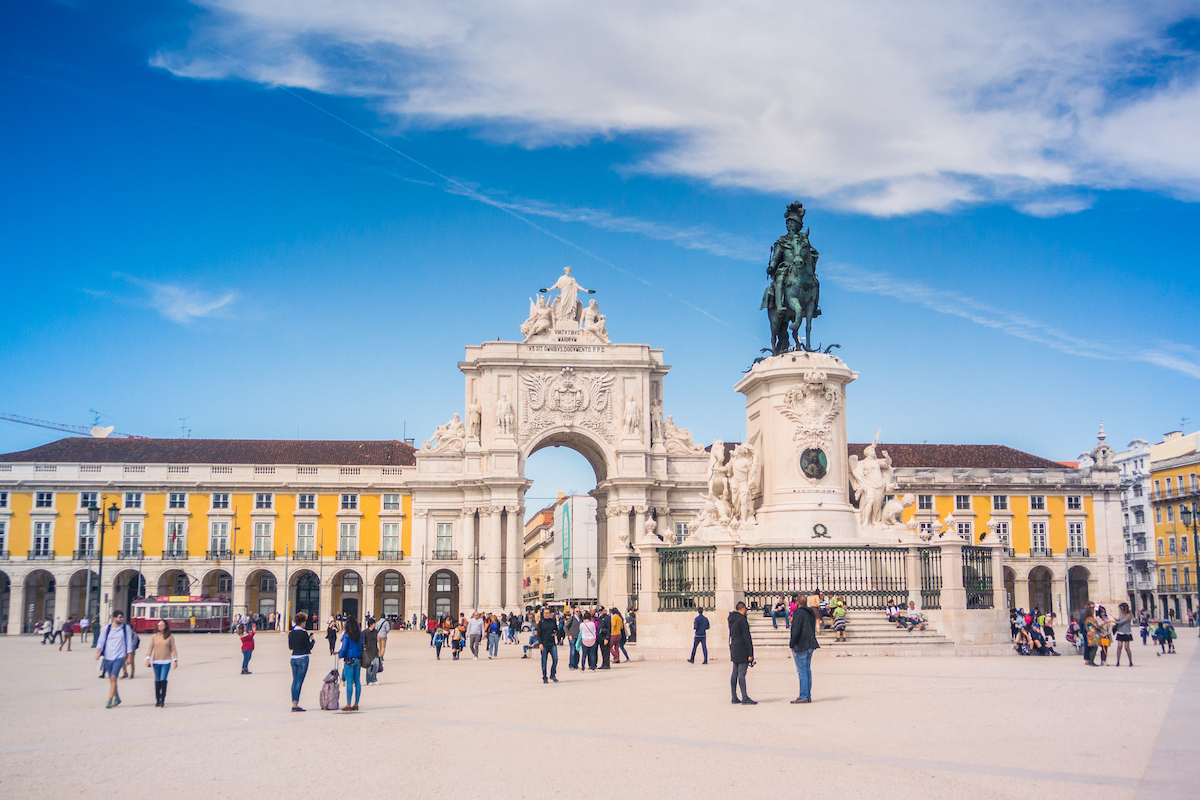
114	646
351	653
247	637
160	655
301	643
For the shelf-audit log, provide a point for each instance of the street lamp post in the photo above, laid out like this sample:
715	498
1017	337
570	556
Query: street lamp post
94	515
1190	517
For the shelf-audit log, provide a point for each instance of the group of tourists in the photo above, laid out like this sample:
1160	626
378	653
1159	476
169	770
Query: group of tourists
1033	632
61	630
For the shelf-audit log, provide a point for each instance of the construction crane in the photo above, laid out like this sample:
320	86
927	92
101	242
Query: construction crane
96	431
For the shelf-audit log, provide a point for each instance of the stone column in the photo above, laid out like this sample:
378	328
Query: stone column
492	569
912	574
728	593
954	596
239	597
648	596
62	597
515	542
639	525
368	592
618	581
466	589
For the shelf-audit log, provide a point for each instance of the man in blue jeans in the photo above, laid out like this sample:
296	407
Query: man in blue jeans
803	642
700	625
547	634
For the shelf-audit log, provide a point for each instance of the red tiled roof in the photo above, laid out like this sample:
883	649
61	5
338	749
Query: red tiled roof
217	451
959	456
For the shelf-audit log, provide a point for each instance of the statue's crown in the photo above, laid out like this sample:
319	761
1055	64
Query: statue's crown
794	211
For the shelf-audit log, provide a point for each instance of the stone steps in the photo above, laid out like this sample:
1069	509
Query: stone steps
865	635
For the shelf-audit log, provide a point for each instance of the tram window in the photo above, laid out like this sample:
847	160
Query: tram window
153	612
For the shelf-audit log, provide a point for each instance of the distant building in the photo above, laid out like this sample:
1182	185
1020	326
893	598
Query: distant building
1175	495
539	535
1136	528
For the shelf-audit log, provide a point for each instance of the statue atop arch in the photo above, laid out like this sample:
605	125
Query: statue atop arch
568	311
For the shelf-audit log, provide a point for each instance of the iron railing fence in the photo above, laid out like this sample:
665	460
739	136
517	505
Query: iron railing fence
687	578
635	581
867	577
977	576
931	576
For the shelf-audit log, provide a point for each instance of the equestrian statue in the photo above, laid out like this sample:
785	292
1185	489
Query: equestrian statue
794	293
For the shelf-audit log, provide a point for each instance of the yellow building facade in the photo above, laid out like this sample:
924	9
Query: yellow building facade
1175	497
211	519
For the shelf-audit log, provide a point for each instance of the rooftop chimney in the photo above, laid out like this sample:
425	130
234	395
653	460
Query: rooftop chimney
1172	435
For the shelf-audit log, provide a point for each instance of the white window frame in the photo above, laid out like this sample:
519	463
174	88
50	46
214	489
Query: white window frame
264	501
1002	532
389	531
87	499
87	531
306	501
183	501
42	528
259	537
922	500
175	526
999	502
962	502
447	536
965	532
43	500
132	525
1037	502
3	499
3	535
390	504
133	500
1074	502
219	501
1076	537
347	532
348	502
213	535
306	531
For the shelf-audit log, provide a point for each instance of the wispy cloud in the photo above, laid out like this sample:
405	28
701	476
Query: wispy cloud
880	108
179	303
1169	355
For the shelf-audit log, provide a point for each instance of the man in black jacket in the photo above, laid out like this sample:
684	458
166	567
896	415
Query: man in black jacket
604	636
741	653
700	625
803	642
547	635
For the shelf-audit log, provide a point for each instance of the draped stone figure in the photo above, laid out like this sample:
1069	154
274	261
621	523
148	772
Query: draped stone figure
871	477
567	308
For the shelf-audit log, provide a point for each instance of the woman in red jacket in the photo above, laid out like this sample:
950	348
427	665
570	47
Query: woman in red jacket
247	647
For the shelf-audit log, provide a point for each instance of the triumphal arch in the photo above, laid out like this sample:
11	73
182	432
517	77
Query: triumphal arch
565	383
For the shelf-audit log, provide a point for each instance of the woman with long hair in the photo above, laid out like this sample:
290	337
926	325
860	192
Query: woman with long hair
247	637
1091	633
1123	632
351	655
331	633
159	656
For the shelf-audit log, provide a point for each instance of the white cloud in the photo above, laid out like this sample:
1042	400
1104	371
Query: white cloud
181	304
883	108
1169	355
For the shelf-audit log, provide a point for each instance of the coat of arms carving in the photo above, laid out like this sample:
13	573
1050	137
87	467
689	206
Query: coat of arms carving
813	406
567	399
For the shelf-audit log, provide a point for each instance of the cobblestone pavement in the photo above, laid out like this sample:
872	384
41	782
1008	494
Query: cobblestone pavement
878	727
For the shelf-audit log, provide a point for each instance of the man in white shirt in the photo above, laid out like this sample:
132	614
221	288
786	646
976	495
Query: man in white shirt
381	629
475	633
115	645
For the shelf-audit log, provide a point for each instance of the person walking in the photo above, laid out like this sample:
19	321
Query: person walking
587	642
160	657
474	634
351	654
370	658
604	633
741	653
803	643
301	643
1091	633
133	648
67	631
700	627
1123	632
493	637
616	627
331	633
571	632
247	637
114	645
85	625
382	629
1105	633
547	634
1087	611
624	638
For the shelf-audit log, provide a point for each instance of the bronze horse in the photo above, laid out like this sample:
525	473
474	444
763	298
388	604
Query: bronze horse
801	296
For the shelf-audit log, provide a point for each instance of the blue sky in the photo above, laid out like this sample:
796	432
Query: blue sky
206	215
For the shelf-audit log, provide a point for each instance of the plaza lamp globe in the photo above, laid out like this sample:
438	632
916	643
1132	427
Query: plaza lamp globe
93	514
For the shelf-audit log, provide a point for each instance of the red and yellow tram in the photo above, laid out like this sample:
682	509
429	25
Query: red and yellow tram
182	612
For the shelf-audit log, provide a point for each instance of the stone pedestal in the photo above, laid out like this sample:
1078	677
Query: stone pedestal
796	416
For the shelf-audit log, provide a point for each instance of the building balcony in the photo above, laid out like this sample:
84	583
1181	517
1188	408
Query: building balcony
306	555
391	555
40	555
1041	552
348	555
85	555
262	555
1077	552
1142	556
445	555
128	554
218	555
174	555
1009	552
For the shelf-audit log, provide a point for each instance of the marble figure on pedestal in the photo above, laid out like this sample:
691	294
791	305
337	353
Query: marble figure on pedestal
567	308
871	477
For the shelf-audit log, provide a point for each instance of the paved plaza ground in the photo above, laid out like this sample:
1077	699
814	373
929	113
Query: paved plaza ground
878	727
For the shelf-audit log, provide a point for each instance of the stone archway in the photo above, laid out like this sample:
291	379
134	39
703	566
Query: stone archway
565	384
1040	591
174	582
305	595
127	585
5	600
38	600
1079	577
443	594
347	590
217	583
1010	586
262	592
389	594
77	603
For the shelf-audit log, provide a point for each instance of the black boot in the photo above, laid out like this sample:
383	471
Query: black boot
157	694
162	702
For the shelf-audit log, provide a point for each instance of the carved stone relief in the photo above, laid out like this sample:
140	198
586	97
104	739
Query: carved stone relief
568	399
